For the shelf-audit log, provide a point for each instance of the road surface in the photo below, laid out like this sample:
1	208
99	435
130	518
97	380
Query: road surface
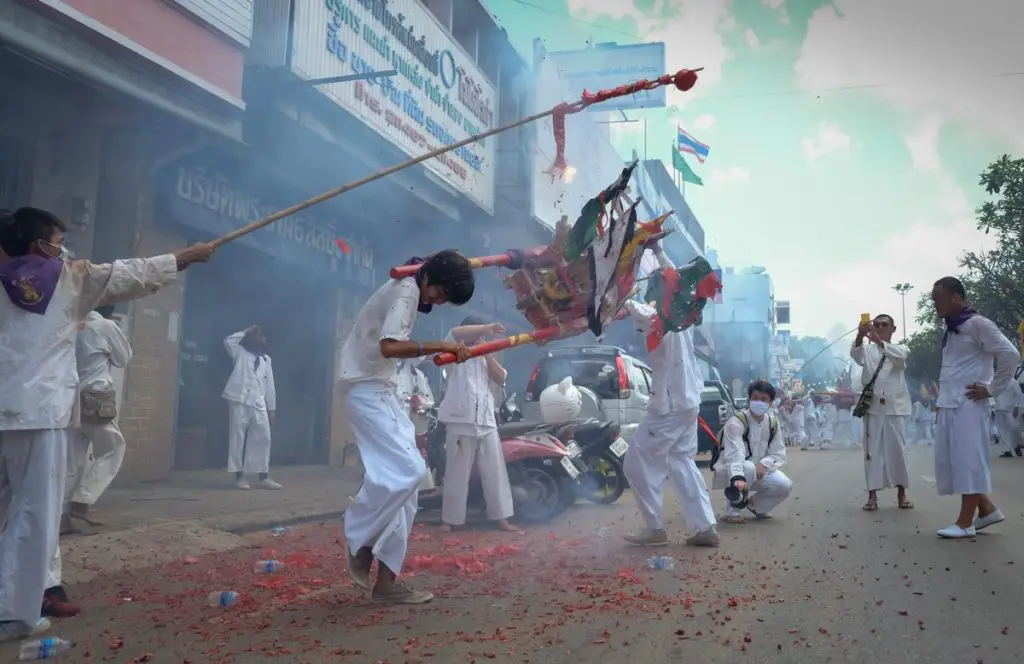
822	582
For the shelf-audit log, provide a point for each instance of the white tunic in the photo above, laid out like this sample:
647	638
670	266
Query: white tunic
100	346
412	381
38	368
249	384
468	400
390	313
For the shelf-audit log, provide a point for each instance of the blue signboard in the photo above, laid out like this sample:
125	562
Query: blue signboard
209	202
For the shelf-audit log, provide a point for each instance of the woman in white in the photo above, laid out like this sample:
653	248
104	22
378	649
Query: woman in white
467	411
252	403
885	440
45	300
100	347
970	347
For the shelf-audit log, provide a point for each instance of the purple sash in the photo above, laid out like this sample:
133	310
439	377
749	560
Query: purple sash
30	281
953	323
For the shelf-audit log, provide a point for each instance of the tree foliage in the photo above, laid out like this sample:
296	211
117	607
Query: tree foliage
821	371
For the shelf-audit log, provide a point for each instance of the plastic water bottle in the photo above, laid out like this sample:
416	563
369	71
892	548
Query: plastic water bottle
267	566
43	649
602	532
661	562
222	598
279	531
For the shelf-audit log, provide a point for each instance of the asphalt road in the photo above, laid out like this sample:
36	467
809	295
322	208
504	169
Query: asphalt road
822	582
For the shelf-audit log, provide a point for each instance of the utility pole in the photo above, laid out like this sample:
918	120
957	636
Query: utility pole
903	289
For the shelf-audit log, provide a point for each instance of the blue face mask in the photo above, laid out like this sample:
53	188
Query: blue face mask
759	408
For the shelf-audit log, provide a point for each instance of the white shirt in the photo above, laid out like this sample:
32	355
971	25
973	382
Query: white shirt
412	381
468	398
797	417
968	358
249	384
734	450
390	313
892	383
677	381
100	346
38	368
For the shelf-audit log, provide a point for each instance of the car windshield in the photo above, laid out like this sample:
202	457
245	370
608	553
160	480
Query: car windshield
595	373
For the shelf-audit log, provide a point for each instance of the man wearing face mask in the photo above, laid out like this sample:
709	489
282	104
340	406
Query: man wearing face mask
753	454
885	440
252	404
43	303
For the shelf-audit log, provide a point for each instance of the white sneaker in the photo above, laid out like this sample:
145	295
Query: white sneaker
267	483
242	483
991	519
956	532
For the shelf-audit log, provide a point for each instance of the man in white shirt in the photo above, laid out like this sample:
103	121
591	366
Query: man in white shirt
796	418
971	345
252	405
467	412
812	425
752	456
378	523
1007	424
885	440
829	419
44	300
664	445
412	381
100	347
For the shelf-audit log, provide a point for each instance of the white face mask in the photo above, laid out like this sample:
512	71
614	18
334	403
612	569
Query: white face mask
759	407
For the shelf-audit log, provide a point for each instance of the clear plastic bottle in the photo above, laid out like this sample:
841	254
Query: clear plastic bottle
661	562
43	649
222	598
267	566
279	531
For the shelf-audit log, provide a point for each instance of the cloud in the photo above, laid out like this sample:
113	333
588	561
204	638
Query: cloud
828	139
691	34
940	57
752	40
703	122
773	4
923	143
734	174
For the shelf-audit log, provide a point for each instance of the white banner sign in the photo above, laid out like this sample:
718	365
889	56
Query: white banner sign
438	97
594	162
609	66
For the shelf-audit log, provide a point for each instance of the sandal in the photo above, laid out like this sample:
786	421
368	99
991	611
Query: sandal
735	520
870	506
906	505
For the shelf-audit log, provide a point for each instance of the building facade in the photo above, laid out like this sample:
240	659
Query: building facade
743	325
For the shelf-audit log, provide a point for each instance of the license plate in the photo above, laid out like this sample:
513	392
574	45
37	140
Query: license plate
574	450
570	468
619	447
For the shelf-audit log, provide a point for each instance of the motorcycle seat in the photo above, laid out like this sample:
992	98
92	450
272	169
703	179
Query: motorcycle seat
513	429
591	427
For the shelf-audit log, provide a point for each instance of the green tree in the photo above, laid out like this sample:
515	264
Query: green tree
822	368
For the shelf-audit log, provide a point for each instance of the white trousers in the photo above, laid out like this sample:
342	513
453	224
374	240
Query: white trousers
385	507
764	494
89	477
663	448
1008	428
465	452
962	450
885	452
32	477
248	439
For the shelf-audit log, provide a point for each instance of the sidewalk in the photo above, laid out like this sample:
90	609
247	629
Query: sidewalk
210	499
196	513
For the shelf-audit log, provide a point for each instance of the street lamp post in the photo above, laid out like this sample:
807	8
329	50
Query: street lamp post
903	289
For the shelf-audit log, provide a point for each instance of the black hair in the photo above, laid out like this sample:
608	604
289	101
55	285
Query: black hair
106	311
952	285
892	321
452	272
761	385
473	320
20	228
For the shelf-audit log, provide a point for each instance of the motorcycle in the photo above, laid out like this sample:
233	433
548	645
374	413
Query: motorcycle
599	440
543	473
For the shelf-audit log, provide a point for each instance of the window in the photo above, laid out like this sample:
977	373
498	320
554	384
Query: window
595	373
648	376
639	380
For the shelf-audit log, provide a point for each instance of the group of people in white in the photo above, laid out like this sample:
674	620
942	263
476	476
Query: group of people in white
811	425
49	391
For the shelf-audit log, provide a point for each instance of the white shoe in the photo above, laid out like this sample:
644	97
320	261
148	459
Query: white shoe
956	532
242	483
267	483
983	522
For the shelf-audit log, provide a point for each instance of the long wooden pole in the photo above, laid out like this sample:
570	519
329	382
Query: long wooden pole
564	108
338	191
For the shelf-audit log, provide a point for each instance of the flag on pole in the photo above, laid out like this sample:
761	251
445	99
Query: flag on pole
684	169
691	145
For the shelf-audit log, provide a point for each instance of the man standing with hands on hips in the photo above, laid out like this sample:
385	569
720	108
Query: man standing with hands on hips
970	346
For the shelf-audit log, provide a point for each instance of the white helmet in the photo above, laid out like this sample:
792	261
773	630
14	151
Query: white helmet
560	403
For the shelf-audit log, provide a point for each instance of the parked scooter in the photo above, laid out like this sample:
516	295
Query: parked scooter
543	473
